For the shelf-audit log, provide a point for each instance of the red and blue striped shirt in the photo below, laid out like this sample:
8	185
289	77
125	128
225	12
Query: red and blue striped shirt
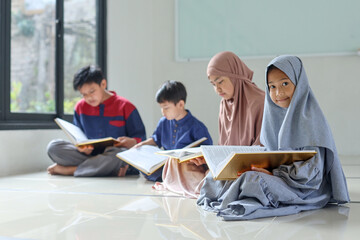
115	117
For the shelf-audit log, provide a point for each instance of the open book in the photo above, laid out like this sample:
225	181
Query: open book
78	137
185	154
227	162
145	159
182	155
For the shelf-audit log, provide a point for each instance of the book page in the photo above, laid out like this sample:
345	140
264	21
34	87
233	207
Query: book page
182	154
75	132
217	157
196	143
143	158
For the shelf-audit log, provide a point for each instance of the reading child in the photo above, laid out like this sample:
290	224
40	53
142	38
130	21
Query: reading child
292	120
100	113
242	103
241	106
177	129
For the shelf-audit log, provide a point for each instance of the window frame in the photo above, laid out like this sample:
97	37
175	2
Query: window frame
18	121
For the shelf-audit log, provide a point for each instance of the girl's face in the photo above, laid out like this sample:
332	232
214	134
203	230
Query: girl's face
280	87
222	86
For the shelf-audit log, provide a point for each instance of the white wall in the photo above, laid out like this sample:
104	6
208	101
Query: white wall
130	54
141	57
24	151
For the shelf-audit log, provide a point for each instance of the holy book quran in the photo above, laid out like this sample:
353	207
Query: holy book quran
148	158
185	154
228	162
78	137
182	155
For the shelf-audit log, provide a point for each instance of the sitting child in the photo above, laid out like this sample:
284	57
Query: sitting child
292	120
177	129
241	106
101	113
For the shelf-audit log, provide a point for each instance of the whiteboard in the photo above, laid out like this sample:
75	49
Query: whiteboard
261	28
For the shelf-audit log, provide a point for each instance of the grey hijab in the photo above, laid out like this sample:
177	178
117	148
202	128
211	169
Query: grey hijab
302	124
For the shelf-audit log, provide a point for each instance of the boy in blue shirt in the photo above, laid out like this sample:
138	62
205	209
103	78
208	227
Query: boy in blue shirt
178	128
100	113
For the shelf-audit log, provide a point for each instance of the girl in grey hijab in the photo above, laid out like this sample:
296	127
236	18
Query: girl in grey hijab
292	120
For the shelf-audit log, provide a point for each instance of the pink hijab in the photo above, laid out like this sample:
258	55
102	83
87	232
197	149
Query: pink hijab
240	117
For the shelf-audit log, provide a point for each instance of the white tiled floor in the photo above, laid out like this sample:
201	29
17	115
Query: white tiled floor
39	206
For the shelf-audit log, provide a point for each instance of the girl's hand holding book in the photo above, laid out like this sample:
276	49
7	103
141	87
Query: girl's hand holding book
198	161
260	169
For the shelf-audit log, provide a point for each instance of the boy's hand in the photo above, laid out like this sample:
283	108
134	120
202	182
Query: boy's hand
139	144
126	142
86	149
198	161
148	141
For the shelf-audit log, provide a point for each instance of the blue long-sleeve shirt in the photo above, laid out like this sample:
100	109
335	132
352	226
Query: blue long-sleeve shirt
173	134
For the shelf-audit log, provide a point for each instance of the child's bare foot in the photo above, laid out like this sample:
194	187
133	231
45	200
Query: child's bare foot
50	169
57	169
158	186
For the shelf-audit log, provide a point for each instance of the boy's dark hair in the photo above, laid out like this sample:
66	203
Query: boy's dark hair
171	91
88	74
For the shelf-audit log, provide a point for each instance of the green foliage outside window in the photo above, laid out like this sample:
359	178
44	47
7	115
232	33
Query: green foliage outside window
38	106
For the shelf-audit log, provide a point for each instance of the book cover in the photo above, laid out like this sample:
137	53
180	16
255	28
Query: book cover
227	162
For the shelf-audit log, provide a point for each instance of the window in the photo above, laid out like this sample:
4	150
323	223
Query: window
43	43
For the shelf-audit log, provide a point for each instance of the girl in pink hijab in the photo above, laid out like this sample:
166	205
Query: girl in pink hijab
242	103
